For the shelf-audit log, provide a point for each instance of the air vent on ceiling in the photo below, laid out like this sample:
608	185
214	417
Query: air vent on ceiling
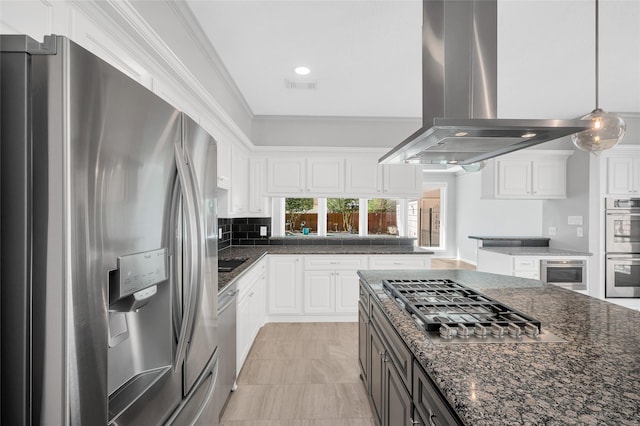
308	85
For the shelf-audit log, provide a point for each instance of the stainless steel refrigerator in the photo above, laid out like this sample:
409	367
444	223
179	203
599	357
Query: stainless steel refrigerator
109	246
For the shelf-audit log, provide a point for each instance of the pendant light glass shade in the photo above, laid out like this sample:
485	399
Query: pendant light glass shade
474	167
607	129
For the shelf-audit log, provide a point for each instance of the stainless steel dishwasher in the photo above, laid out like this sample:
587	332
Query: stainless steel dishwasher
227	371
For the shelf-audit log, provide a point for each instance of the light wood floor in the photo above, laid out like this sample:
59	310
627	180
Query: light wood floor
451	264
301	374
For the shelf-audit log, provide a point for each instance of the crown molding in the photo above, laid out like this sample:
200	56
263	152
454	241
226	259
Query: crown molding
121	20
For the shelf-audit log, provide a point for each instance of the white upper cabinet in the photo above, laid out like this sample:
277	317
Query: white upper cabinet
363	177
402	179
286	175
239	193
224	165
257	201
533	174
623	175
325	175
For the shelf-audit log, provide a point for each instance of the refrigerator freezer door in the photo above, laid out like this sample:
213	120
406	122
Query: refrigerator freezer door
200	154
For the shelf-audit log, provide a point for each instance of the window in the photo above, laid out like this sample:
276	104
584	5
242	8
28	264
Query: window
301	216
382	216
343	215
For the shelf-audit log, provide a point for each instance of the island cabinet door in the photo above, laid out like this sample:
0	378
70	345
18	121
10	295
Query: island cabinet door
428	401
397	400
376	378
363	350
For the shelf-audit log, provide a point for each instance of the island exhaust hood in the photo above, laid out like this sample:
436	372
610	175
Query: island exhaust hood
459	91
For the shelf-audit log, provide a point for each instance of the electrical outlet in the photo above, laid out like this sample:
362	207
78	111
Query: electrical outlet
552	231
263	231
219	233
579	231
574	220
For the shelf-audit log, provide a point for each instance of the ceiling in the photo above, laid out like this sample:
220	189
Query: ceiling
364	55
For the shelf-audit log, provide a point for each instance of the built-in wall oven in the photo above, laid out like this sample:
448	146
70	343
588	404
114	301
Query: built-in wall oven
622	246
568	273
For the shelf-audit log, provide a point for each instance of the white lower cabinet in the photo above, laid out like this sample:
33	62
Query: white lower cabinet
250	310
285	289
319	292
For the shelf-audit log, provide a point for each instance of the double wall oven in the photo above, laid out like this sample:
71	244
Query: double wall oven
622	247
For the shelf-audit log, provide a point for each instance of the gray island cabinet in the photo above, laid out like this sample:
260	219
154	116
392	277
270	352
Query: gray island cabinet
592	378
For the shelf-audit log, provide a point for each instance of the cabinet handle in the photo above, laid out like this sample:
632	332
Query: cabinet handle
414	422
252	293
431	417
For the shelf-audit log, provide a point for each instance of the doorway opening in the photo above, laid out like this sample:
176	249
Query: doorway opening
431	218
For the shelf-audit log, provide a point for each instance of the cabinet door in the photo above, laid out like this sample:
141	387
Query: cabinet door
319	289
285	175
363	177
239	180
325	175
514	178
347	290
363	349
224	165
402	179
428	400
549	178
620	175
397	400
376	378
257	175
285	279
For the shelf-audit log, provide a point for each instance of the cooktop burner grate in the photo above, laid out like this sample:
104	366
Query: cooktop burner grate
442	301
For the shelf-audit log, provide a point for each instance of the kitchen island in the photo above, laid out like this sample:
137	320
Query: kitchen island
593	378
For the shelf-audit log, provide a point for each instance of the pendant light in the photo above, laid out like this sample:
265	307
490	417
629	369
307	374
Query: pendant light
607	128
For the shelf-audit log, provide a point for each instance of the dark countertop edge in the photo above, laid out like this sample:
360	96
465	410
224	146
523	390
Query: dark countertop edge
535	251
256	253
475	237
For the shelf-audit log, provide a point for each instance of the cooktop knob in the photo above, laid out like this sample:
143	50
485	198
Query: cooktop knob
480	331
531	330
514	330
447	332
463	331
497	330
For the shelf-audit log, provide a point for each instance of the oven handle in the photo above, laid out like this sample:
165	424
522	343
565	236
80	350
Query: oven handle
622	213
628	257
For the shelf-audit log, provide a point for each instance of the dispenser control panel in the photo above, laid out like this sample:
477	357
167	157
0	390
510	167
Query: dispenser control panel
139	271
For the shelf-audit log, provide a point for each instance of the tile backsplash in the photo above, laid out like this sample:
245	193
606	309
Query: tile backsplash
244	231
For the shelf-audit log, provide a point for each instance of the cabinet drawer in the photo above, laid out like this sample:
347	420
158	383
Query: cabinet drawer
398	351
248	279
532	265
399	262
335	263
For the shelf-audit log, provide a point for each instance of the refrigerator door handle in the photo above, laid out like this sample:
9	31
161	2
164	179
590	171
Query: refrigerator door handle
199	241
192	247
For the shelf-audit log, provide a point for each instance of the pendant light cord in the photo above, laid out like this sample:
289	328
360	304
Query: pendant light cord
597	54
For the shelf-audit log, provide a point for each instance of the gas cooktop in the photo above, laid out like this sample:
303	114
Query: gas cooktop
450	312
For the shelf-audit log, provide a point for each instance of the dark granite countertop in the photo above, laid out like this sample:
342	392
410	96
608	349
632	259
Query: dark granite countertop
592	379
535	251
475	237
254	253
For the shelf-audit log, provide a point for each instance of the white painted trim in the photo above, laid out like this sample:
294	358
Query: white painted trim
315	150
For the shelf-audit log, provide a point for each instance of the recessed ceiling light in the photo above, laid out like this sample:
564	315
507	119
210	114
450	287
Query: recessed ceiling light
301	70
528	135
461	134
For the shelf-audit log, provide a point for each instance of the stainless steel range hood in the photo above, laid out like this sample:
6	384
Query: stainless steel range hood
459	91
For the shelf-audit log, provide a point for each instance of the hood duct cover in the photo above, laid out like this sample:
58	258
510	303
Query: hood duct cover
459	91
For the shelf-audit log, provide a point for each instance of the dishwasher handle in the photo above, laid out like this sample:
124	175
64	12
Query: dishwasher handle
227	300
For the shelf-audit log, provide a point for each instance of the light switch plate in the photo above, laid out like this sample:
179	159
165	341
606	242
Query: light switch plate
219	233
579	231
552	231
263	231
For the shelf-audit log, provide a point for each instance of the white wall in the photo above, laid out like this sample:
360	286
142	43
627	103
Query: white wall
475	216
